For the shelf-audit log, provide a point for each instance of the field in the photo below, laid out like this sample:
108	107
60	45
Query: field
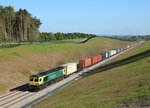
124	82
18	63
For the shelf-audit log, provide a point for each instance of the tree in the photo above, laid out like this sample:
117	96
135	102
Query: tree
52	36
59	36
20	25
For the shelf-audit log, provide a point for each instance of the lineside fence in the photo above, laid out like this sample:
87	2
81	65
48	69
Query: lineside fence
14	44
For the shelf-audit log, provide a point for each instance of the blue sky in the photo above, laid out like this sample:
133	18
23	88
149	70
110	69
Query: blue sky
111	17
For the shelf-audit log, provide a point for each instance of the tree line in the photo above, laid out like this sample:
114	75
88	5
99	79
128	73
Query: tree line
63	36
131	38
18	26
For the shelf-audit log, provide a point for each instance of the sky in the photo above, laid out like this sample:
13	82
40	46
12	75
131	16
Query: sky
101	17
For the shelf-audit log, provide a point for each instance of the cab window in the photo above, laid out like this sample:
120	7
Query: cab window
36	80
31	79
45	79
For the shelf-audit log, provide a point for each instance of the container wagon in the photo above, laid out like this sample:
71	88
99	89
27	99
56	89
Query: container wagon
115	52
120	49
104	55
86	62
69	68
128	46
93	59
99	57
125	48
109	54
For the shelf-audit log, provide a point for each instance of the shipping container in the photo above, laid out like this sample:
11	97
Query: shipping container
120	49
86	62
109	54
104	55
99	57
125	48
128	46
132	45
115	52
70	68
94	59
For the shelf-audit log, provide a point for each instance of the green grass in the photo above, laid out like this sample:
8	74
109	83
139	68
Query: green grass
26	72
25	60
90	45
3	86
46	48
17	54
124	82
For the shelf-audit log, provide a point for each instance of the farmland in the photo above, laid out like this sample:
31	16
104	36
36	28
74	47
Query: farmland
18	63
124	82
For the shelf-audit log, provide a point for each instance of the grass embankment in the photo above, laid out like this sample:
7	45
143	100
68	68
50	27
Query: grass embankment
18	63
124	82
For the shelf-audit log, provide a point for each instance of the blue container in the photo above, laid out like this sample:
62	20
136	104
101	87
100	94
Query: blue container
109	54
103	55
120	49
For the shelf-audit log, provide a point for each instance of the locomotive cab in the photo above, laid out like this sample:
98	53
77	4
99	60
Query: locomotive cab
35	82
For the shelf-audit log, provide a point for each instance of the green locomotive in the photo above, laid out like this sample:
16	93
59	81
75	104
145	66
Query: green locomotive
44	79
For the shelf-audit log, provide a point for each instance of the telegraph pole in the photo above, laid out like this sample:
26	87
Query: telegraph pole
52	63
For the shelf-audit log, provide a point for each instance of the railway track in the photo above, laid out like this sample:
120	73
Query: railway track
6	100
11	98
14	99
7	95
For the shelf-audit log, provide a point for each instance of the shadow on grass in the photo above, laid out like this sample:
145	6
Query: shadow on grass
118	63
86	40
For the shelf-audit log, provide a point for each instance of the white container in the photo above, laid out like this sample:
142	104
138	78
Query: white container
107	55
115	52
128	46
118	50
70	68
111	52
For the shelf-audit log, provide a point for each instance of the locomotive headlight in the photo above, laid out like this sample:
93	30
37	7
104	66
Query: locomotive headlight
37	84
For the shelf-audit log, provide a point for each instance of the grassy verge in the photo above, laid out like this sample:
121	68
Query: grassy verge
26	60
124	82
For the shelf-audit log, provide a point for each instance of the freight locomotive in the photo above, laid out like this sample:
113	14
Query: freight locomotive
41	80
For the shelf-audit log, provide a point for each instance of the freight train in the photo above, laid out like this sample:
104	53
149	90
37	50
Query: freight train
41	80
